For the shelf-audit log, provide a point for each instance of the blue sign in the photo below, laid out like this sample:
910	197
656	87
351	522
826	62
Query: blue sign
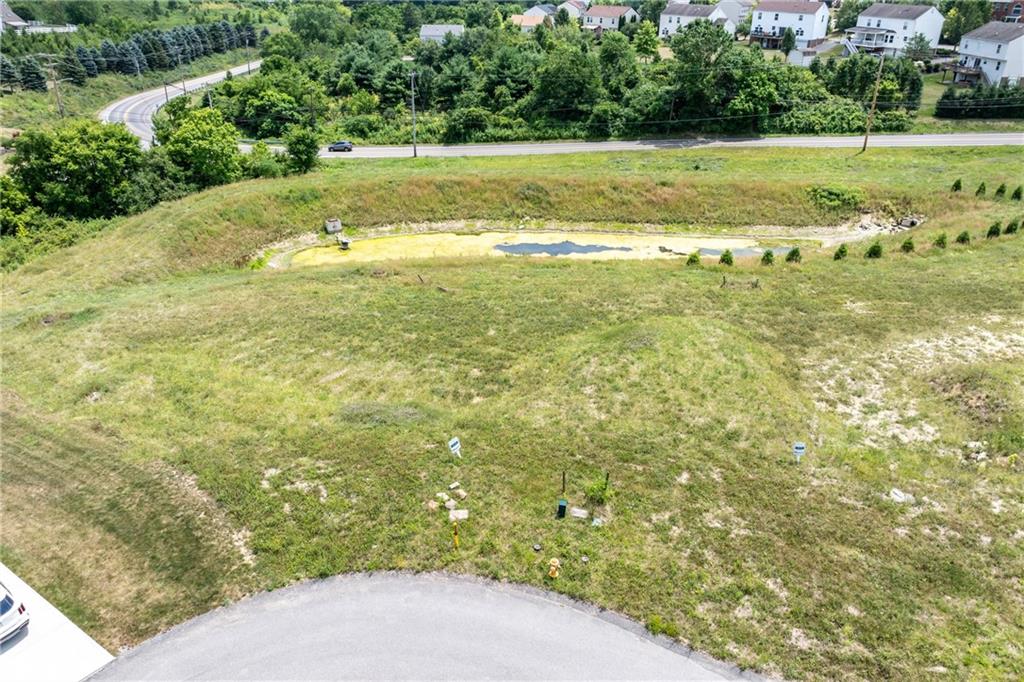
455	446
799	449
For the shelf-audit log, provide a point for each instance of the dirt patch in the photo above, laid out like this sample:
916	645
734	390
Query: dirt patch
200	502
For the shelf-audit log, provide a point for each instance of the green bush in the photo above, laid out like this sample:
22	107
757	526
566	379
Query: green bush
980	192
908	245
836	198
1012	226
768	257
693	258
725	258
994	230
841	252
794	255
659	626
940	241
963	238
874	251
1000	191
597	491
1017	193
958	185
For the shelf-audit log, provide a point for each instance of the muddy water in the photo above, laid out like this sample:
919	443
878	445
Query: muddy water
580	245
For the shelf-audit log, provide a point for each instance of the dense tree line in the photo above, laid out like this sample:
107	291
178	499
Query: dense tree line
348	74
142	52
986	101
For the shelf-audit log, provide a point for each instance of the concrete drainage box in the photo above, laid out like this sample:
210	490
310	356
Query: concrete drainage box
332	225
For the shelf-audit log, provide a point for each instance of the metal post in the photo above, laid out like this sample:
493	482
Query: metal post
874	102
412	92
248	65
166	96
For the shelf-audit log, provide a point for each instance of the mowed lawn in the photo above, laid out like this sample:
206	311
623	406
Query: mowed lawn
200	430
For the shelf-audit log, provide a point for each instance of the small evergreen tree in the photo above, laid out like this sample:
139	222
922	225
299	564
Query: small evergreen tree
841	252
794	255
1018	193
9	76
70	68
963	238
1000	191
726	257
874	251
958	185
788	41
908	245
940	241
768	257
693	258
980	192
87	62
994	230
1011	227
31	75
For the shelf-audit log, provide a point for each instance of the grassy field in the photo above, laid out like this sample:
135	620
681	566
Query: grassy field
203	429
927	123
24	109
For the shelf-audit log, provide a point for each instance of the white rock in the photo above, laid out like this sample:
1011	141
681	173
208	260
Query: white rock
450	504
900	497
443	497
453	486
578	513
461	494
458	514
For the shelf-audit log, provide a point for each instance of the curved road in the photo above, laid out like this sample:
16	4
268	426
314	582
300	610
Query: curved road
411	626
136	111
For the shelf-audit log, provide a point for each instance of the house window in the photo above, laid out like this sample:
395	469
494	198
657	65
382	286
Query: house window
799	17
776	16
999	47
904	26
799	31
904	39
878	23
759	16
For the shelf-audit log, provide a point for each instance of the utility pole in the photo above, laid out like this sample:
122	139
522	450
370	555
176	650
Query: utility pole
167	97
248	65
874	102
56	85
412	92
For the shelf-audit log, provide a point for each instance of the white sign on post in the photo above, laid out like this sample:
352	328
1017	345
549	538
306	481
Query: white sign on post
799	449
455	446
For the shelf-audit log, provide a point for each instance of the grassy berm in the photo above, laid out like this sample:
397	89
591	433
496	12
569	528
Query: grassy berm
179	429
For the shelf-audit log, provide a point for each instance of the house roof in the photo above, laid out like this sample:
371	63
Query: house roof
690	10
790	6
578	4
892	11
8	16
547	9
523	20
607	11
441	30
997	31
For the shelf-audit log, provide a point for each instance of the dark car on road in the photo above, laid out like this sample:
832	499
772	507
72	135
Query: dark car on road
343	146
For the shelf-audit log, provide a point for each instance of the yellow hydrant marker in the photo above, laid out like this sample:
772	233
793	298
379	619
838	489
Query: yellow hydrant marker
554	565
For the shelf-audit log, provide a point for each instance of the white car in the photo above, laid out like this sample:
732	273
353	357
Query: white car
13	615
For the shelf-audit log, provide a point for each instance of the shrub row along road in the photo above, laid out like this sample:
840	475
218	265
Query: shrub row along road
136	111
401	626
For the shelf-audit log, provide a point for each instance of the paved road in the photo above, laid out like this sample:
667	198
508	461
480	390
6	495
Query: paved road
403	626
136	111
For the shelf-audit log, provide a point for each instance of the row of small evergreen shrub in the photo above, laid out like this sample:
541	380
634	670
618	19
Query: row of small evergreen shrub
1000	192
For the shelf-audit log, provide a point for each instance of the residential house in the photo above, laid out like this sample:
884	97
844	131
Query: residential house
575	8
676	17
1011	11
541	11
737	10
9	20
527	24
608	17
436	33
993	53
887	28
771	18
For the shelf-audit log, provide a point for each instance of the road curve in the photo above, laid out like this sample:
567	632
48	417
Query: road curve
136	111
405	626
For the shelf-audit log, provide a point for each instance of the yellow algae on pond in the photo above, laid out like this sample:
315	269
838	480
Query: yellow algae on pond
580	245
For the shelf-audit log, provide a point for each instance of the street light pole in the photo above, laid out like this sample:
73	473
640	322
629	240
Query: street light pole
412	92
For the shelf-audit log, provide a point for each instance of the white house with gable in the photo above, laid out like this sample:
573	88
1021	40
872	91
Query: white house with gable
608	17
993	54
575	8
771	18
736	10
886	28
678	16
